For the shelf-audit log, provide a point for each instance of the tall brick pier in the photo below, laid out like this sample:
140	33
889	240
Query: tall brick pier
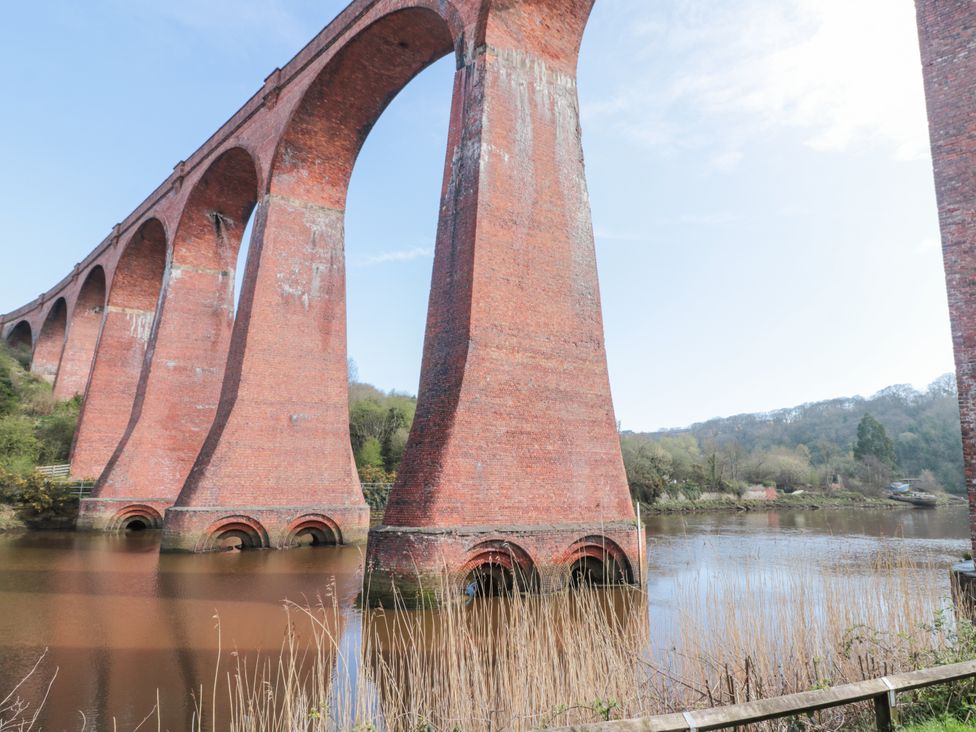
947	37
514	455
512	472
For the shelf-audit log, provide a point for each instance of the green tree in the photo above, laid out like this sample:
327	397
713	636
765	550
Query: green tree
873	441
648	468
8	396
390	448
19	448
370	454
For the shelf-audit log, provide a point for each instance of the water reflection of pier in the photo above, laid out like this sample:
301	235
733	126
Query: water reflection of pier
121	621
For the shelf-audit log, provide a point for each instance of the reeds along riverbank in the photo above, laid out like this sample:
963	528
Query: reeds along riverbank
527	662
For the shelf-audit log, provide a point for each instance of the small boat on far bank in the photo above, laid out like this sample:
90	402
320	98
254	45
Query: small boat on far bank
919	500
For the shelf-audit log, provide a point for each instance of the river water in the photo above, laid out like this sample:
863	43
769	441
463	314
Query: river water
120	623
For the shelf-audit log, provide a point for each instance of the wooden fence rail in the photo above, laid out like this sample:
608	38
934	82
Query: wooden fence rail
882	691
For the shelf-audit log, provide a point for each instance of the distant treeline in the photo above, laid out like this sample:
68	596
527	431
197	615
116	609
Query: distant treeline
854	443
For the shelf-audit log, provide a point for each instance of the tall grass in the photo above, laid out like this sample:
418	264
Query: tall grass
528	662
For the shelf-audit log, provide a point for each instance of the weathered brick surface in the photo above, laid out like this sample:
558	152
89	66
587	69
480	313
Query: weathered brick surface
189	529
176	398
947	36
50	342
514	425
115	514
514	442
118	363
416	561
83	329
280	438
19	334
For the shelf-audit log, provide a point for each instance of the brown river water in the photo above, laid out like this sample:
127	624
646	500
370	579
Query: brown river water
120	622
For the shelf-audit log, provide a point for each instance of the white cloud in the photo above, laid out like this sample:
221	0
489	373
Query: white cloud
400	255
727	160
842	73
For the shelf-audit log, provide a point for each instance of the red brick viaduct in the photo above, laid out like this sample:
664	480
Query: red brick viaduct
185	421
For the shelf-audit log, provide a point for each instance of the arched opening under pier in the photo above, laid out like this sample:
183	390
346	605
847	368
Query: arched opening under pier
360	142
132	304
596	561
234	533
498	568
50	342
84	326
314	530
136	519
20	340
238	538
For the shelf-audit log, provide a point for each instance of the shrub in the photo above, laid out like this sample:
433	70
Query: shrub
19	447
370	454
39	501
57	430
376	474
41	498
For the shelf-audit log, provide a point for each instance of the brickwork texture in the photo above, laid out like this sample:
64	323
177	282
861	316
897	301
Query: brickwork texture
194	418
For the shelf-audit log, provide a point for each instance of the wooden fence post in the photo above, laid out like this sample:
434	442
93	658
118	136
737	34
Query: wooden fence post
883	714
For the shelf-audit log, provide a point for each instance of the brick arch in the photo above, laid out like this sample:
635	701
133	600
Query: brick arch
550	30
136	516
249	531
50	342
132	302
138	276
21	336
599	560
291	316
84	325
176	397
209	232
319	528
511	558
316	154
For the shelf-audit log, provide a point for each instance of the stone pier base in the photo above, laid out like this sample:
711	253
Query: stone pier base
209	529
963	580
431	566
120	514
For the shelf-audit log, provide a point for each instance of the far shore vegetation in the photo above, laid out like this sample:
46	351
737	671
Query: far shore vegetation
841	452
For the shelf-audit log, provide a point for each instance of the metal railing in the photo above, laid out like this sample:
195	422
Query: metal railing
881	691
376	494
54	471
82	488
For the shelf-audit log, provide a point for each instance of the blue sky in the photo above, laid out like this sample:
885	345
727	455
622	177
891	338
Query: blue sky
762	193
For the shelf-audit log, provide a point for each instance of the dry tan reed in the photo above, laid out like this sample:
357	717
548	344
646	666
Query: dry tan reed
528	662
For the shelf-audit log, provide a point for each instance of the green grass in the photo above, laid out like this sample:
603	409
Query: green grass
813	500
946	724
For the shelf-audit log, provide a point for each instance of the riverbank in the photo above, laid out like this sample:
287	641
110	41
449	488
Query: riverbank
802	501
36	503
16	520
